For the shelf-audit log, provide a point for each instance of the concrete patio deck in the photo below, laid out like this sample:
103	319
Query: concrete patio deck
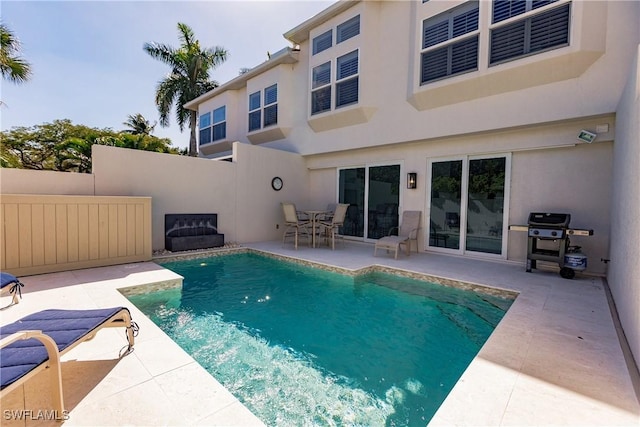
555	358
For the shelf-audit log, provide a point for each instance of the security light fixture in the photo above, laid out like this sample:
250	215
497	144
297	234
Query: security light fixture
586	136
412	180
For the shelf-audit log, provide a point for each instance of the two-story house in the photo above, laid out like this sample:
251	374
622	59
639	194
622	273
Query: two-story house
473	112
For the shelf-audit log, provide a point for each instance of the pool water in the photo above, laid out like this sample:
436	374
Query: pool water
302	346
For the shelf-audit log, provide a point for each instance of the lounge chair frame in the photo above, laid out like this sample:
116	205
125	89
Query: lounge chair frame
122	318
408	232
12	286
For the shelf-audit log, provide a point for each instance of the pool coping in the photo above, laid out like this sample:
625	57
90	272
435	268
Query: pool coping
373	268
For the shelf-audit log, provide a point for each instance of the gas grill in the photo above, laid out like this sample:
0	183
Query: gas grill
548	240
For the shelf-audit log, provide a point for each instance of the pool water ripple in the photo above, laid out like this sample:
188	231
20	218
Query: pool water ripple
299	346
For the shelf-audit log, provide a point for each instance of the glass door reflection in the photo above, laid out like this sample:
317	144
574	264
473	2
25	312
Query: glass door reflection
446	191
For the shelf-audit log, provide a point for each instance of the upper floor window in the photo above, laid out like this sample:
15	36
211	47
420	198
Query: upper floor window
219	123
322	42
348	29
267	115
530	34
347	79
255	116
450	43
205	128
270	106
321	88
505	9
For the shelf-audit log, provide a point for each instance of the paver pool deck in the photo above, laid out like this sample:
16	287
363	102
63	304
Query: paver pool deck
554	359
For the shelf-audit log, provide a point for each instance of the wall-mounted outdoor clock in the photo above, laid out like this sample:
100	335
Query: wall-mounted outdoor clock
276	183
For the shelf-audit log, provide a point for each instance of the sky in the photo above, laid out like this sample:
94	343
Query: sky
89	66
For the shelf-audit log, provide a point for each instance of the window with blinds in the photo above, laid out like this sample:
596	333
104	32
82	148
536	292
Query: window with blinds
205	128
321	88
450	43
347	79
254	111
322	42
348	29
529	35
219	123
271	106
263	115
505	9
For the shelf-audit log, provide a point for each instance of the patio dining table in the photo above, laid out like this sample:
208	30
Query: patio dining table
314	215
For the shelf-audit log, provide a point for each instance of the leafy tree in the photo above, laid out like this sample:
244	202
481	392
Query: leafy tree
138	125
12	66
189	78
63	146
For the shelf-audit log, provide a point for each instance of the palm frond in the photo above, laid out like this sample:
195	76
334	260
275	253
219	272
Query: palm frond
188	79
12	67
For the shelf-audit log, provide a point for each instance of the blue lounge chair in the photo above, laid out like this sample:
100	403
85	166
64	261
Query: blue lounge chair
10	283
37	341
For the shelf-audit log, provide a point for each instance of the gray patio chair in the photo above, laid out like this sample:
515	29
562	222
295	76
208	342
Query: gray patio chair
407	233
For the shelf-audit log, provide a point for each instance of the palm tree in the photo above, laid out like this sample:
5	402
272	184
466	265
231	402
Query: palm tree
12	66
189	78
138	125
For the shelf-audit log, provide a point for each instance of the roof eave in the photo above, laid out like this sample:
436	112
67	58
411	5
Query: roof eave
288	56
301	33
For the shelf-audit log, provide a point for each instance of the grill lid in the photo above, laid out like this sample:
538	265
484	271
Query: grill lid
541	219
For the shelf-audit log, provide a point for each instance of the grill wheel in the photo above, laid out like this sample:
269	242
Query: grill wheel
567	273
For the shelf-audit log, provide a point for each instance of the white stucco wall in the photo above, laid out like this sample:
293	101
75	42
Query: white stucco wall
258	212
24	181
176	184
600	33
239	192
624	269
550	172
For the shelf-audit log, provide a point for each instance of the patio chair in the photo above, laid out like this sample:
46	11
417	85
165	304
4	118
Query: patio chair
37	341
295	226
10	284
331	227
407	233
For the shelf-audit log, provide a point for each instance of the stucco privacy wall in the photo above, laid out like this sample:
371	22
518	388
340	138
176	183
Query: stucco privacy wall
258	211
176	184
547	174
23	181
624	269
239	192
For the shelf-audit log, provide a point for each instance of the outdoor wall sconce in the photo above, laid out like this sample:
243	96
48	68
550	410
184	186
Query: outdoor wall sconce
412	180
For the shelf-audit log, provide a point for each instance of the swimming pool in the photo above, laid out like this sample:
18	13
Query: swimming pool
302	346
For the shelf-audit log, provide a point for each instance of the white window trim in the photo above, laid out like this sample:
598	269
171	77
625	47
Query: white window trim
525	15
214	123
258	108
265	105
333	80
522	17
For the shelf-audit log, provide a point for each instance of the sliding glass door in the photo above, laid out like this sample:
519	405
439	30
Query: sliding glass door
351	189
468	200
373	194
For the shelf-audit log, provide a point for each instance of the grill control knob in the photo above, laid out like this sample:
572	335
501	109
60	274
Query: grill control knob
554	233
536	232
